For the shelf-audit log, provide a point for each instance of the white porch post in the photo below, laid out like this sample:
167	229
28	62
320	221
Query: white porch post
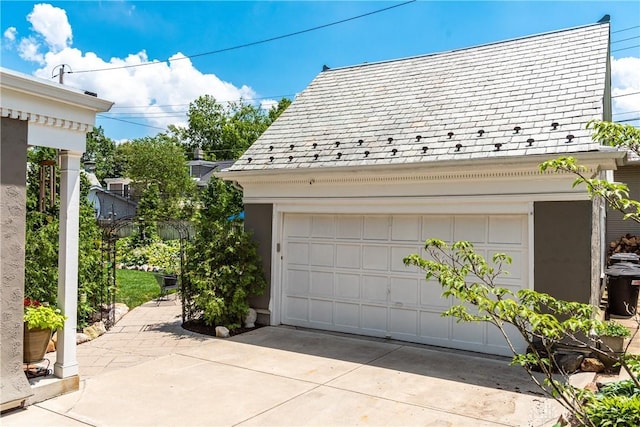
66	362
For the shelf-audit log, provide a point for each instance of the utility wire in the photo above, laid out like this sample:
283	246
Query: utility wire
296	33
625	94
624	40
133	123
625	48
628	120
627	112
625	29
184	105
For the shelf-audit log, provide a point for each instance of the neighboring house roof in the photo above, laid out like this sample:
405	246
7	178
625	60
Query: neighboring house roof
130	206
93	180
213	167
419	109
120	180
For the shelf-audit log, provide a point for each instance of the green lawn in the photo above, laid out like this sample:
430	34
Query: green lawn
136	287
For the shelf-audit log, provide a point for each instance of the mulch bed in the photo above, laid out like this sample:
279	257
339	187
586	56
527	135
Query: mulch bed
198	326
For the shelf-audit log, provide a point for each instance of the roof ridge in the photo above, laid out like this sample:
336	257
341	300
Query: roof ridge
425	55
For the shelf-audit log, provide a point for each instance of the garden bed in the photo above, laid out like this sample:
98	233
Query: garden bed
198	326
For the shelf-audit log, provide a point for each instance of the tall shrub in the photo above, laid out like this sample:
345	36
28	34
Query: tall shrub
223	265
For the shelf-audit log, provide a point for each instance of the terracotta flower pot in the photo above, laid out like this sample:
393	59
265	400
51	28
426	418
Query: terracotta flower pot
35	344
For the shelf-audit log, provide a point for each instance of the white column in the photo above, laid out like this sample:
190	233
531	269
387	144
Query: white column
66	361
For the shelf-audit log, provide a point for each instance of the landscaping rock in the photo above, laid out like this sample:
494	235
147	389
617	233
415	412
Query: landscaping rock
569	362
120	310
100	328
590	364
250	320
91	332
82	338
592	386
222	332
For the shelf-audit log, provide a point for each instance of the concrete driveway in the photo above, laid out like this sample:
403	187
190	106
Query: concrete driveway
284	376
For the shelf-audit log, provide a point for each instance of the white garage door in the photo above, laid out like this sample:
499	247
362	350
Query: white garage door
345	273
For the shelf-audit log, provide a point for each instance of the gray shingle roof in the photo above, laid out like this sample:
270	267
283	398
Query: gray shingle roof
463	104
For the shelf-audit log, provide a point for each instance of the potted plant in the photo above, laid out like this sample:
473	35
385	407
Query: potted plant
40	321
612	335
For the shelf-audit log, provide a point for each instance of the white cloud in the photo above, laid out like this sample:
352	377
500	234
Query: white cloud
28	49
625	80
52	24
10	34
268	104
160	92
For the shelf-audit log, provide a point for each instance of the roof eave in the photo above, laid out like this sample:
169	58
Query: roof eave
605	159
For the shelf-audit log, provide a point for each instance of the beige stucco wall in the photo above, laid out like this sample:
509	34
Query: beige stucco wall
13	161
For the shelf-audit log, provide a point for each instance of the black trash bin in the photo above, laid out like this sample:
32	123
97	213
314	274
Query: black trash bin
623	282
624	257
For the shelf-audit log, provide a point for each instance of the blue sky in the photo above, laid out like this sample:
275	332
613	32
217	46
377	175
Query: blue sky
86	35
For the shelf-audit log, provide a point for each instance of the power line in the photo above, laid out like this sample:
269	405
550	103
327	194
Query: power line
627	112
628	120
625	48
624	40
132	123
225	101
296	33
625	94
147	115
625	29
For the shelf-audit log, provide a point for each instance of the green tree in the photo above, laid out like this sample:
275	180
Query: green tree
225	131
223	266
102	150
159	161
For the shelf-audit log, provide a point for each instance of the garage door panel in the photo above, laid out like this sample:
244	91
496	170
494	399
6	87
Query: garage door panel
431	295
506	230
348	256
403	322
297	282
374	319
405	228
323	226
297	309
517	269
347	286
470	228
347	315
470	333
375	288
321	311
298	253
349	227
347	274
433	325
437	227
322	255
376	228
404	291
375	257
398	253
298	226
321	284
